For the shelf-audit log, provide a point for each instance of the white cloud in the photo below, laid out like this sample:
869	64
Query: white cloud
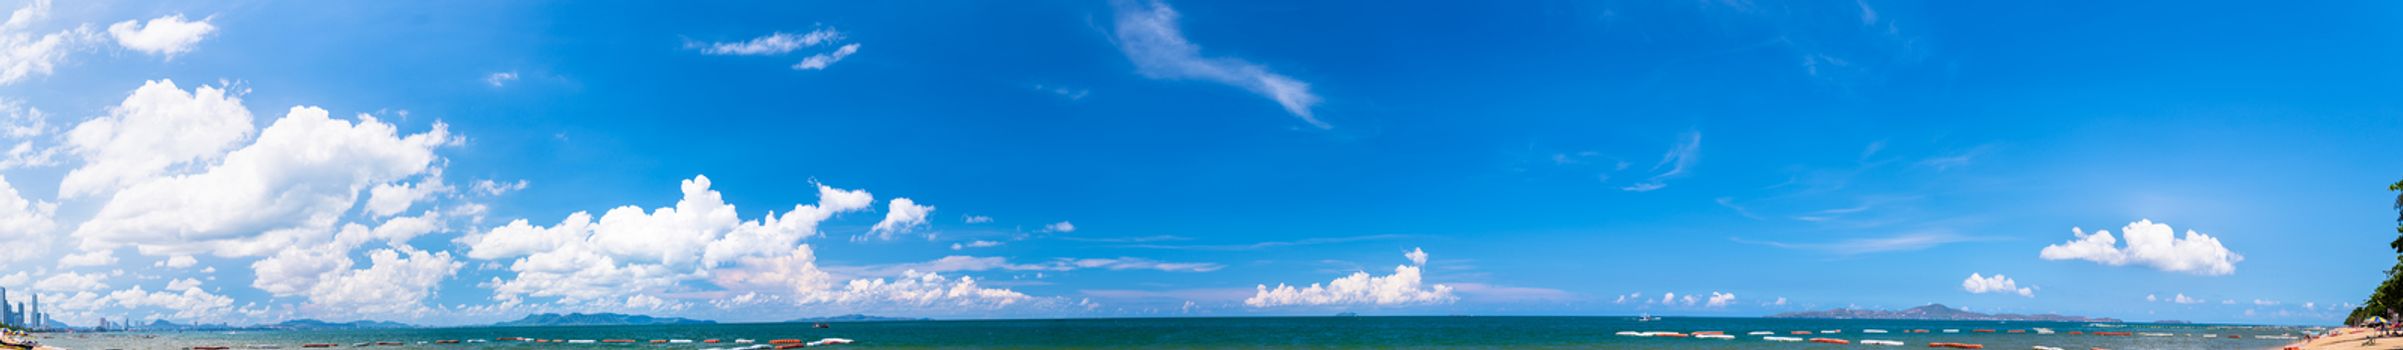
795	276
975	244
1403	287
628	252
101	257
820	61
1418	257
24	54
177	262
157	127
1997	284
498	79
27	224
182	284
1060	227
1673	164
2149	244
773	44
904	215
1623	299
2151	298
1781	301
185	304
164	36
72	282
1147	33
488	187
2265	302
289	187
971	263
2181	298
395	282
390	199
1720	299
1668	298
977	219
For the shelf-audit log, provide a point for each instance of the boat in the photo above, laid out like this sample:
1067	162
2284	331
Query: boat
317	345
1830	341
1760	333
1647	317
680	341
819	325
1881	342
828	341
1831	331
743	341
1800	333
1956	345
2041	347
1715	336
1873	331
2044	331
785	341
1634	334
617	341
1952	331
1782	339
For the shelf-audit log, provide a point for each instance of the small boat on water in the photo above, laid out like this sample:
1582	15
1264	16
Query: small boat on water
829	341
1874	331
1647	317
1761	333
1830	341
743	341
2041	347
1715	336
1956	345
1881	342
680	341
1782	339
1634	334
819	325
1952	331
2044	331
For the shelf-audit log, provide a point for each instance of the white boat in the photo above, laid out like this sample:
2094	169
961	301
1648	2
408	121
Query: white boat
1647	317
1782	339
1715	336
2044	331
680	341
2041	347
1635	333
1881	342
1831	331
744	341
1874	331
1761	333
1952	331
2155	334
580	341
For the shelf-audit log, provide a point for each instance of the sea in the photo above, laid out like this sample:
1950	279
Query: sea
1448	332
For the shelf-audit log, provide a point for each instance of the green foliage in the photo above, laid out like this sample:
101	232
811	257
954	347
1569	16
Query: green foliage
2389	295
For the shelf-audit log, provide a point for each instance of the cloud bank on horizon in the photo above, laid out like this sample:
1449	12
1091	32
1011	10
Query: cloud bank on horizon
206	164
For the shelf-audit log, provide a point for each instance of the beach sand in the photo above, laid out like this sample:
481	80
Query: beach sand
2352	339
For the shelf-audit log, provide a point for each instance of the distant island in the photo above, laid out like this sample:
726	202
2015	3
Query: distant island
600	319
1936	312
854	318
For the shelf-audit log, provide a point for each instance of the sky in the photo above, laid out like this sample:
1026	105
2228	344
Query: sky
257	161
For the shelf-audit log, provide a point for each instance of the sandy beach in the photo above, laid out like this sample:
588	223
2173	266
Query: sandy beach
2352	339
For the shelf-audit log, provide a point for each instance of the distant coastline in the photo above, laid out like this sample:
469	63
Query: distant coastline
1936	312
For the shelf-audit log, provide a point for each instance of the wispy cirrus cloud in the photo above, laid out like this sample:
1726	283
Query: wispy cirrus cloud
1673	164
1147	33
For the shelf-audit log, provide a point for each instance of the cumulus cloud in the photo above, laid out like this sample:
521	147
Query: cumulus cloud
2181	298
1060	227
971	263
188	302
796	278
164	36
1418	257
89	258
628	252
488	187
25	54
1720	299
1147	33
157	127
2149	244
904	215
1403	287
294	183
1997	284
177	262
26	222
72	282
393	198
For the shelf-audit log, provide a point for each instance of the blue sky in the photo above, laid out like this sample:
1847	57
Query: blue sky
1131	158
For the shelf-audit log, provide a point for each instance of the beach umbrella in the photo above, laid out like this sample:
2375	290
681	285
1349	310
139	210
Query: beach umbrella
2375	320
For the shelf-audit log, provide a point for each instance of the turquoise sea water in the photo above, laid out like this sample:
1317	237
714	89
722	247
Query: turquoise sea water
1270	332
